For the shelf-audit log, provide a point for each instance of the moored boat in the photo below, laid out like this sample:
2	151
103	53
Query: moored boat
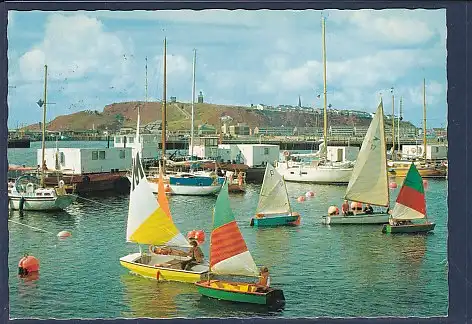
369	180
229	256
410	207
274	207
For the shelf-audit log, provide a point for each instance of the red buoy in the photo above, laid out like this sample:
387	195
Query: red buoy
425	184
64	234
200	236
27	265
191	234
301	198
392	185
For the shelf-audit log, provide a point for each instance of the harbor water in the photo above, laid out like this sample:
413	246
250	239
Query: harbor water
333	271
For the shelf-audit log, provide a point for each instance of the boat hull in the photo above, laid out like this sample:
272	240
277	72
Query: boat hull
276	220
321	175
132	263
413	228
376	218
240	292
41	203
194	190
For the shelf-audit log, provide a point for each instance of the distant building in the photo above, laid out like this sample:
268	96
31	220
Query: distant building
239	129
200	97
206	129
173	99
274	131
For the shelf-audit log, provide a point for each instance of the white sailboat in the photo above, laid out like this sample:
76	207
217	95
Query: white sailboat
274	207
28	192
369	180
318	171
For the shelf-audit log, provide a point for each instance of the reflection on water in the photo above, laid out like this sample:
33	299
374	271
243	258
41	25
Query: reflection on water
150	298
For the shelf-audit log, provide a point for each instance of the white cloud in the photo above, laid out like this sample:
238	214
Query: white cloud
435	93
74	46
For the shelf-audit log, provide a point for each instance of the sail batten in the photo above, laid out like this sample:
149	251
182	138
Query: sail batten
148	221
229	254
273	198
369	179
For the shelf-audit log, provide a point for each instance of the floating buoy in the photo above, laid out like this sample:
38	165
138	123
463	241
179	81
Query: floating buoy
167	188
310	194
27	265
64	234
197	235
392	185
425	184
333	210
301	198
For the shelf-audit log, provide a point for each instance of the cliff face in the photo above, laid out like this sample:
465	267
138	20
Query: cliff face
178	117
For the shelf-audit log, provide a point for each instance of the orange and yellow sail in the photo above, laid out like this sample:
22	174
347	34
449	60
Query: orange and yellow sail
149	220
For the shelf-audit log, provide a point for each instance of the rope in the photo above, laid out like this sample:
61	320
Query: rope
92	201
36	228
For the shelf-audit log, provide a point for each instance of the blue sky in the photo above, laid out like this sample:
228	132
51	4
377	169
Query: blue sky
98	57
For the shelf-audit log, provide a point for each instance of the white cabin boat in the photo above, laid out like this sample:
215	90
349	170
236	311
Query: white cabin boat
27	194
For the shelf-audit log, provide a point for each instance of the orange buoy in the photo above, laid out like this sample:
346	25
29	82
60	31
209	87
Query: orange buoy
167	188
392	185
301	198
64	234
310	194
191	234
200	236
27	265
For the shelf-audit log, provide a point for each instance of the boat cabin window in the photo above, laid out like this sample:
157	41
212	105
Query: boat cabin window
131	139
266	151
118	139
304	173
122	154
94	155
47	194
101	155
292	172
39	194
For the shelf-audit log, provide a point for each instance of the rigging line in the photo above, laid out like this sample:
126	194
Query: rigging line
36	228
93	201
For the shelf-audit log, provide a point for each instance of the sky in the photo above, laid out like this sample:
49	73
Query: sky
243	57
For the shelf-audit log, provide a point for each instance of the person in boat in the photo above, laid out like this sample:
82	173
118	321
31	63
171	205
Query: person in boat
345	208
264	280
195	254
368	209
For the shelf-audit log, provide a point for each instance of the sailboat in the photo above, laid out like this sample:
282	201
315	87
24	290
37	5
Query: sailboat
426	170
184	183
369	180
229	256
274	207
28	192
150	222
319	171
410	206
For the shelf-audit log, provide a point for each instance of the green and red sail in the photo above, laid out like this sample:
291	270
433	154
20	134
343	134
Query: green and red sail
411	203
228	250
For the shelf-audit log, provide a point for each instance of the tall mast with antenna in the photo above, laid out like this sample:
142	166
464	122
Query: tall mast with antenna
399	120
193	104
393	124
164	121
44	125
325	109
424	119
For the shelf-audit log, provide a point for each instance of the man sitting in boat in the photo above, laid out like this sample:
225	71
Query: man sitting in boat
195	254
264	280
345	208
368	209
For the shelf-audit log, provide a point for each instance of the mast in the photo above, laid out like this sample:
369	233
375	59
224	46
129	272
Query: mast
288	200
424	119
146	84
386	161
163	127
399	120
393	125
44	125
325	109
193	103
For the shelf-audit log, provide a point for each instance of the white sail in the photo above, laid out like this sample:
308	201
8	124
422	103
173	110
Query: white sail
273	198
369	180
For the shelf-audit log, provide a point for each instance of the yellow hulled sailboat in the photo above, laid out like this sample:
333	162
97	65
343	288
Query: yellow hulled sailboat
150	223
